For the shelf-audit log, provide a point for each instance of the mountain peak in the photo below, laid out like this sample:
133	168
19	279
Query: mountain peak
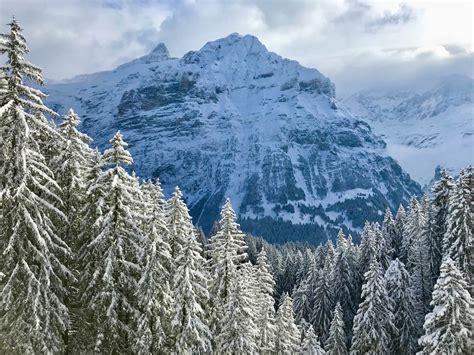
160	52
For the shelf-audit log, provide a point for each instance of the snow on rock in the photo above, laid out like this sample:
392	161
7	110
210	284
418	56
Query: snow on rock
235	120
423	128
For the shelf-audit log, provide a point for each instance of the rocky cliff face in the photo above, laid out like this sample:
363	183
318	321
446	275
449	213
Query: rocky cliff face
235	120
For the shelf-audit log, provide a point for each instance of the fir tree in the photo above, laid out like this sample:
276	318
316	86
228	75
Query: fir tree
344	287
371	330
441	190
288	337
389	233
402	339
265	318
110	258
226	251
336	343
237	329
448	328
153	288
190	330
310	344
70	167
458	240
323	303
400	220
33	316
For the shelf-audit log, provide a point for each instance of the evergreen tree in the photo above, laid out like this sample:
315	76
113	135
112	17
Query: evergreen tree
448	328
153	289
389	233
323	303
442	189
226	251
402	339
458	240
371	329
237	329
33	316
190	331
400	220
416	249
288	337
110	259
265	317
310	344
70	167
336	344
344	282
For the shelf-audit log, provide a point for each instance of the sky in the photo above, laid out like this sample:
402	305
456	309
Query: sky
359	44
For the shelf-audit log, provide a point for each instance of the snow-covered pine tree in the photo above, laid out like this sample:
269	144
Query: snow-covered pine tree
458	242
416	248
153	289
381	247
265	311
400	220
336	343
288	335
69	167
110	259
344	281
302	299
310	344
238	333
368	249
371	329
226	251
402	335
389	233
323	303
190	295
448	328
33	316
441	190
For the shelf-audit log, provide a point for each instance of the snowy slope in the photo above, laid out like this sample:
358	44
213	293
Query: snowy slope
236	120
423	129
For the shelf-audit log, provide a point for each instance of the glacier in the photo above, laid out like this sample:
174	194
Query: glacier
236	120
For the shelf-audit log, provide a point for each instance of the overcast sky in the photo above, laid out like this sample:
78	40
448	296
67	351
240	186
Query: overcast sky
357	43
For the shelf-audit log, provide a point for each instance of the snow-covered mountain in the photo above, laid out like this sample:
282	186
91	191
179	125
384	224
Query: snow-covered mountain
423	128
235	120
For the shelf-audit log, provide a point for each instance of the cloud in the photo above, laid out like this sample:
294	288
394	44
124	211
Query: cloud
402	15
352	41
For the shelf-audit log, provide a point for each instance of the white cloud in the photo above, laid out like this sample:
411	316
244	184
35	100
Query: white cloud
346	40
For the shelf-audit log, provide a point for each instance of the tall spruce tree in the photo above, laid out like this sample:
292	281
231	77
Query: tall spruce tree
265	317
402	339
448	328
442	189
288	339
458	242
336	344
344	281
371	329
33	316
153	289
323	303
238	333
400	220
310	344
110	259
190	295
226	251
